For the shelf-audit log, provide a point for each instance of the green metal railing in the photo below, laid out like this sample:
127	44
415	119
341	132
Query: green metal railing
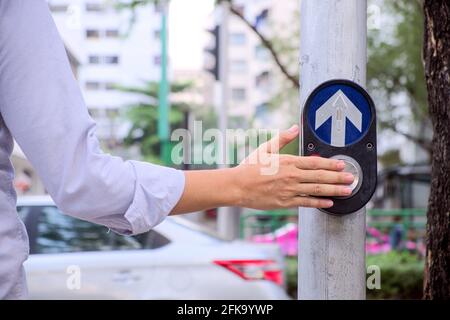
409	218
265	221
269	221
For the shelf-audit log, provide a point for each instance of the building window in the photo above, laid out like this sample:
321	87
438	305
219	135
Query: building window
262	80
94	59
112	33
97	85
94	7
238	39
261	52
262	113
92	34
96	34
111	59
110	86
157	34
238	94
238	66
92	85
58	8
157	60
105	60
261	110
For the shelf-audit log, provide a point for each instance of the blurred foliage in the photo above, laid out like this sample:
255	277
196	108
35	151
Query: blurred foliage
143	118
291	276
390	158
401	275
287	45
395	70
291	148
284	49
131	6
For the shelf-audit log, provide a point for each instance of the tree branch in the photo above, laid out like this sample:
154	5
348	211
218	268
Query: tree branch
423	143
268	44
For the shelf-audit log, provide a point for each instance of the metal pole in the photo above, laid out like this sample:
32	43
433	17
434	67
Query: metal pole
163	108
227	218
331	262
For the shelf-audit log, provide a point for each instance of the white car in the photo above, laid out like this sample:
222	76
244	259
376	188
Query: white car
75	259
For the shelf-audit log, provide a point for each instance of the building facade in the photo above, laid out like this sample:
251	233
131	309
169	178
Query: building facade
253	77
115	48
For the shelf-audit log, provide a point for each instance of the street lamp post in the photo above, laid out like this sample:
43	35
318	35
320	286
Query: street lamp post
164	87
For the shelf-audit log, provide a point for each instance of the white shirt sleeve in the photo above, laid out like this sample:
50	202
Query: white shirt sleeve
43	108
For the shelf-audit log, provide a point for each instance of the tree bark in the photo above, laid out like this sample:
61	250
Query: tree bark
436	54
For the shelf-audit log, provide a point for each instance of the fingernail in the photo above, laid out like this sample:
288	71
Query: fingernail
328	203
349	177
346	191
341	165
293	129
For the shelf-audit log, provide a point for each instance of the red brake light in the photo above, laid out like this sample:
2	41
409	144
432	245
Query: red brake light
254	269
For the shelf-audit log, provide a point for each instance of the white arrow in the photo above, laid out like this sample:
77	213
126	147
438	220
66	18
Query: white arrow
339	108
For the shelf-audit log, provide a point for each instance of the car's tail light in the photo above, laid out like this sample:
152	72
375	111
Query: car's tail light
254	269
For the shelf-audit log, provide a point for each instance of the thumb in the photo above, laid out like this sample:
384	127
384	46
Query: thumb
277	143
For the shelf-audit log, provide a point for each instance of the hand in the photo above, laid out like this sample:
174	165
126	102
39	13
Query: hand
269	180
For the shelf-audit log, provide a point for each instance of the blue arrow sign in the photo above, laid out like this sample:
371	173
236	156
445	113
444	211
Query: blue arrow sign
339	114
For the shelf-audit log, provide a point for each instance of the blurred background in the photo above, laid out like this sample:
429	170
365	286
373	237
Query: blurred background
149	67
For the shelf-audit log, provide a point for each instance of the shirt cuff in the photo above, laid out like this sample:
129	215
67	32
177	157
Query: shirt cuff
157	190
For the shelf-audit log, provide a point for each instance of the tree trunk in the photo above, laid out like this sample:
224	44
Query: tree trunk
436	56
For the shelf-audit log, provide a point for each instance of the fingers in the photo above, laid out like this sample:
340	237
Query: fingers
316	163
314	189
325	177
310	202
275	144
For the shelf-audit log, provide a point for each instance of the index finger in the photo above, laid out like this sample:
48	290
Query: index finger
317	163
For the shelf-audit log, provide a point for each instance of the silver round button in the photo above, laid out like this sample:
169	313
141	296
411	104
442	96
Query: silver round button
354	168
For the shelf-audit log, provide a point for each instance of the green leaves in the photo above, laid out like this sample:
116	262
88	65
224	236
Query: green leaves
133	4
143	116
395	69
401	275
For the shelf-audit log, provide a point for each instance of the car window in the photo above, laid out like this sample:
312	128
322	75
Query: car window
58	233
23	212
152	240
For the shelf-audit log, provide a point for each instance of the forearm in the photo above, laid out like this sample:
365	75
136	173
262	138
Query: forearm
42	106
205	189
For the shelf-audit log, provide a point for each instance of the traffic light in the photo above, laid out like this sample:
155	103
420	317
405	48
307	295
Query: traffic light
213	68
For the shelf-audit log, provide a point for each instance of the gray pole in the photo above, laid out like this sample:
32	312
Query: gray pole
331	262
228	218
